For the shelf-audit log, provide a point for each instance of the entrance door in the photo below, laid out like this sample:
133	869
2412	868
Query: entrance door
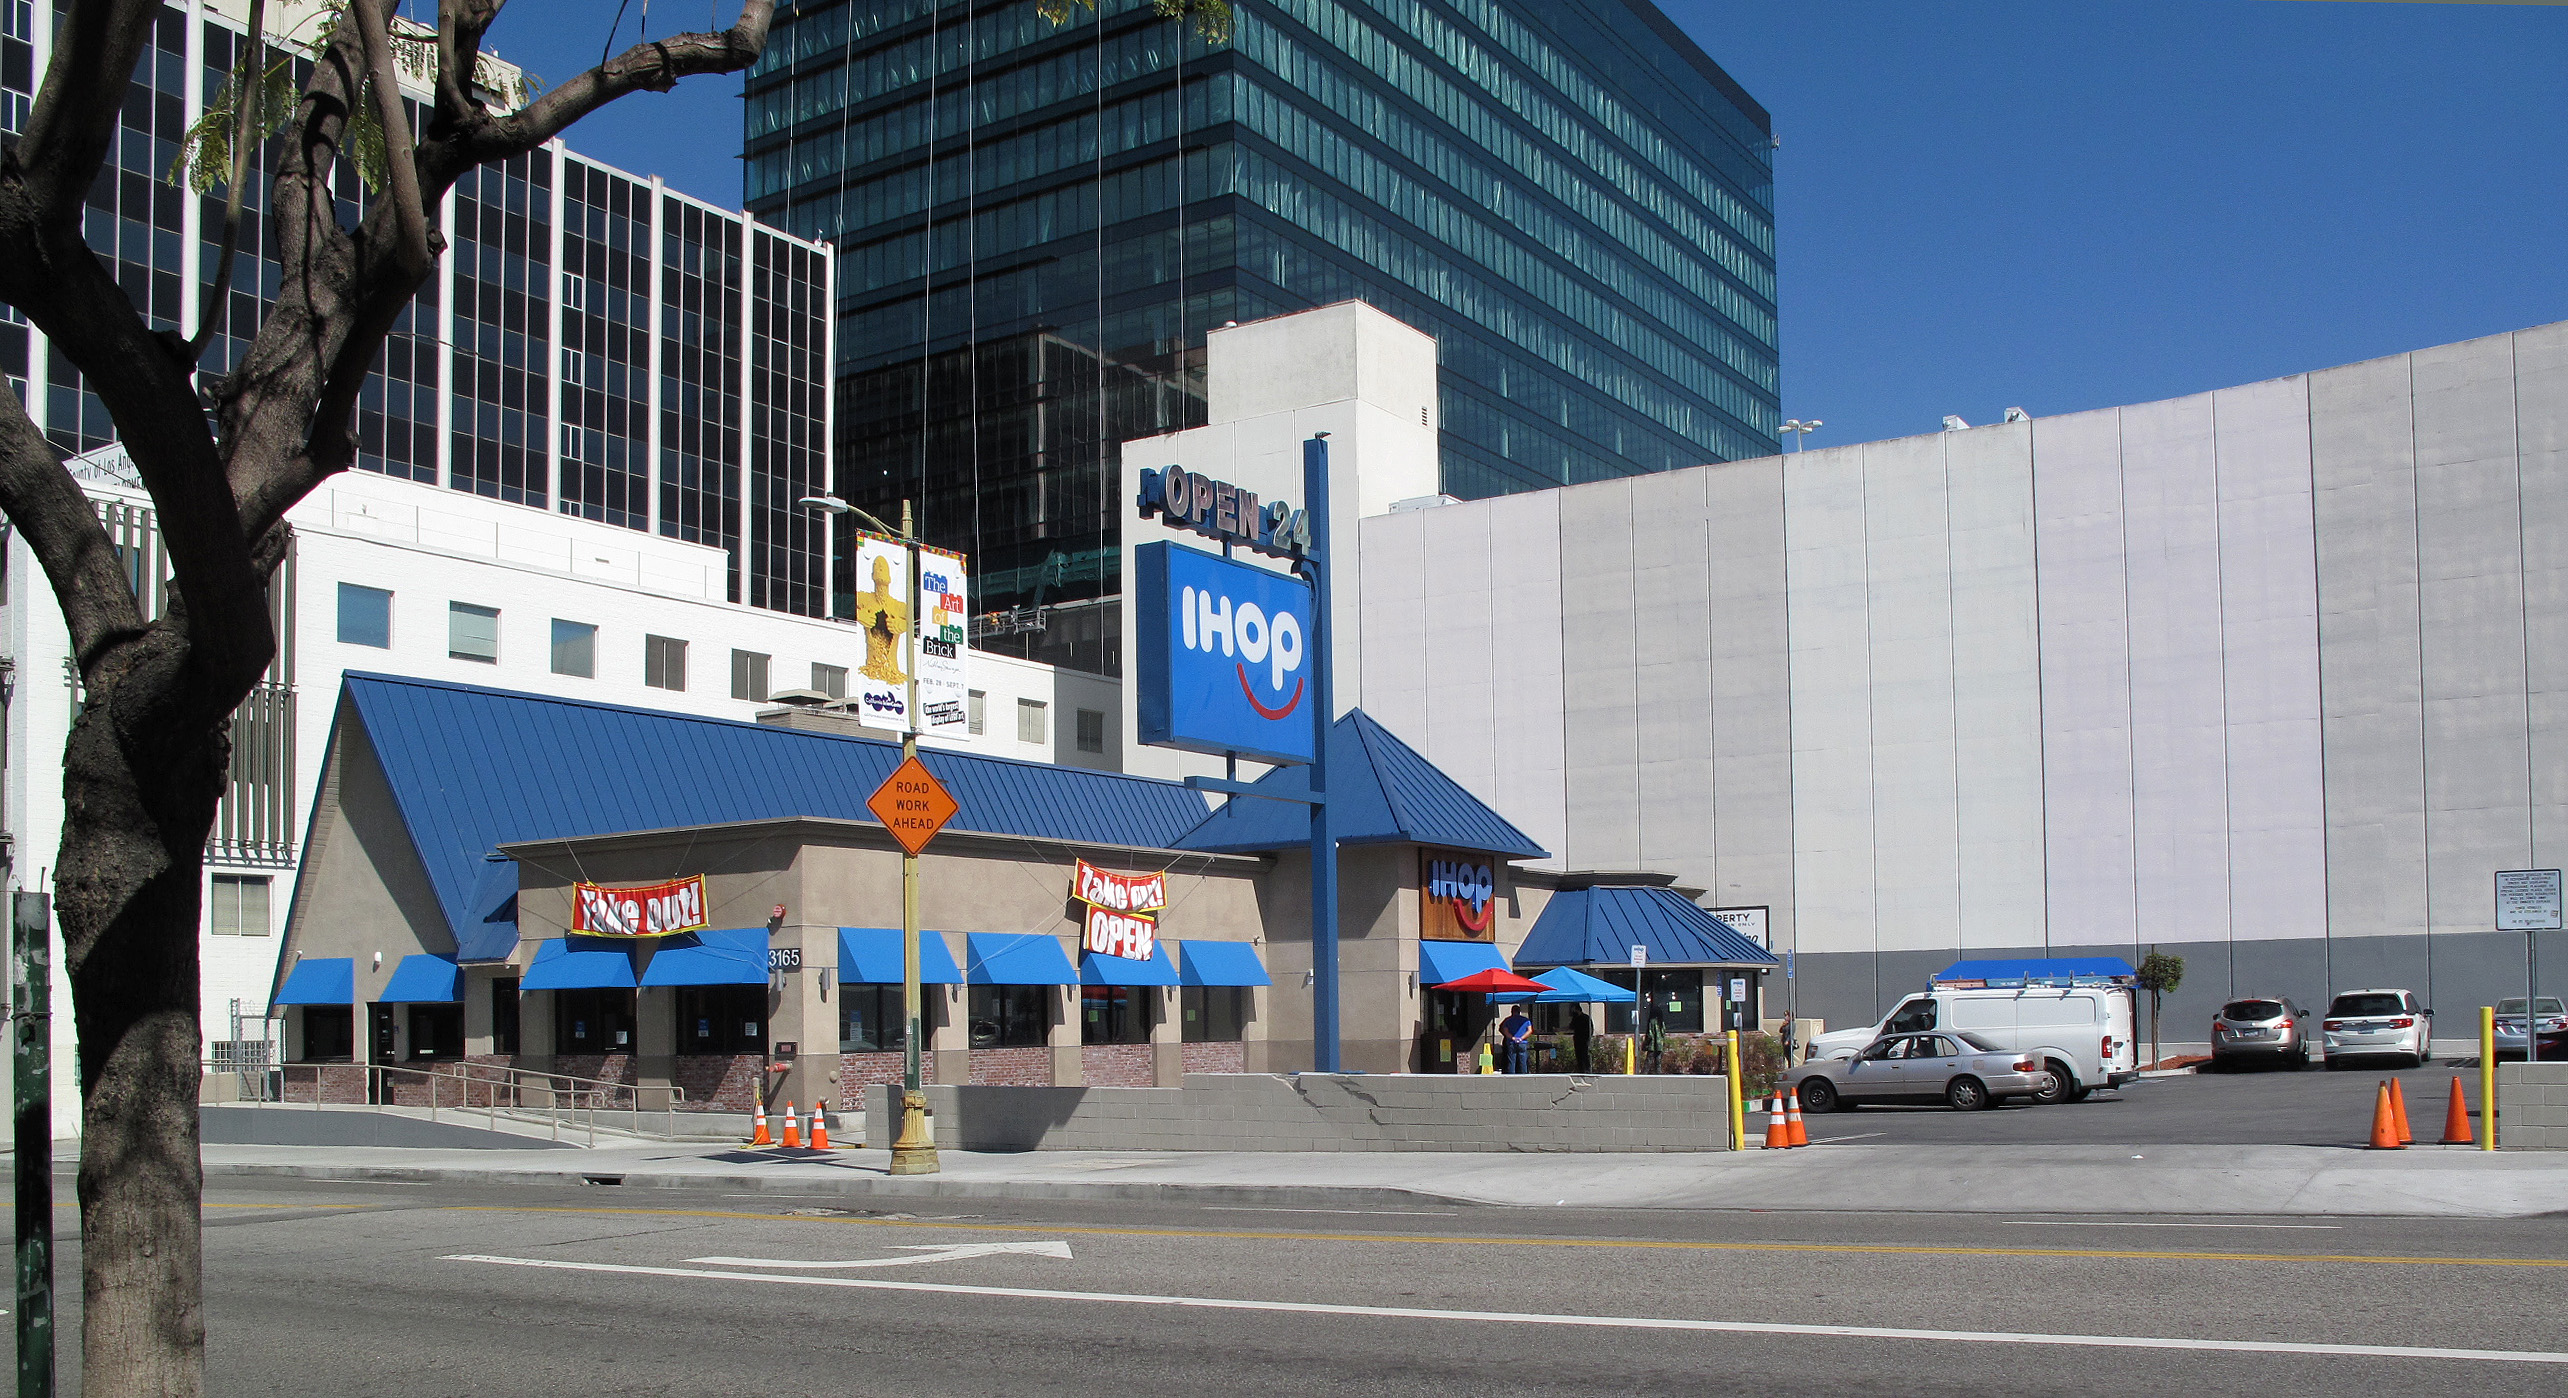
382	1039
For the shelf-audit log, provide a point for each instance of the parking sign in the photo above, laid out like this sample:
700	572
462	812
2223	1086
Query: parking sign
2528	900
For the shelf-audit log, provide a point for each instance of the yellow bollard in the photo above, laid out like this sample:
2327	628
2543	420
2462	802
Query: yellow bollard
2488	1068
1627	1054
1738	1111
1487	1063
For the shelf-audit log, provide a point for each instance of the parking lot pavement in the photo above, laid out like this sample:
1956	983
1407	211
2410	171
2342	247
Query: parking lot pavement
2270	1107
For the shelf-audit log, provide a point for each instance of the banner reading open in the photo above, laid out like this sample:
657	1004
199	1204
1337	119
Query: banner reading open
652	910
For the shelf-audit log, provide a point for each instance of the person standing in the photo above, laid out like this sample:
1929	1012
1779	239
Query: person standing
1654	1044
1582	1032
1515	1033
1787	1041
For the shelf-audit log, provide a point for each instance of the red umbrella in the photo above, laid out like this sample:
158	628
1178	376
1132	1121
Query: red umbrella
1495	980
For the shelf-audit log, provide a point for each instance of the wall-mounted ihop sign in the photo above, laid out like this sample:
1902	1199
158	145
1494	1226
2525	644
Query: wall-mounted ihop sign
652	910
1458	896
1222	662
1191	500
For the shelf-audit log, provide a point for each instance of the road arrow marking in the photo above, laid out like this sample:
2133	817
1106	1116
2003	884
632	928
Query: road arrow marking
928	1252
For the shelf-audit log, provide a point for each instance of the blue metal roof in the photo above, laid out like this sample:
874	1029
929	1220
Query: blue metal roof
1382	792
320	980
1439	962
489	932
1097	968
872	956
1600	926
423	979
1220	963
714	956
1017	958
473	768
2037	970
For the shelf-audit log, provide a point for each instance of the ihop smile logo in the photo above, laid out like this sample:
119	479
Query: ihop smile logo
1223	655
1271	643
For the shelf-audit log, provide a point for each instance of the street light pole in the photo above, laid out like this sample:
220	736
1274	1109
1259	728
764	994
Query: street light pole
1801	428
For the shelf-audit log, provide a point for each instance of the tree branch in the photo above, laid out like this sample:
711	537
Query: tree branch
414	253
245	88
64	533
655	66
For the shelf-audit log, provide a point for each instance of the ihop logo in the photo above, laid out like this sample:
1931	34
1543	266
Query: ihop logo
1270	642
1468	885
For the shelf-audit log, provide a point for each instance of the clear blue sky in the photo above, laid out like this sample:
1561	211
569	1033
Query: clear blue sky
2041	204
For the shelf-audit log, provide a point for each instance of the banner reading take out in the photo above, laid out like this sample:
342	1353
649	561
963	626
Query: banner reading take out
652	910
1119	921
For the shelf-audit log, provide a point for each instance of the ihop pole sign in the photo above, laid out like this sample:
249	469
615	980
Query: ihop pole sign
1222	661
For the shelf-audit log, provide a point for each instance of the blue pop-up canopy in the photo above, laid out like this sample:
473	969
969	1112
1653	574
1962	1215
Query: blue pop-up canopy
1571	986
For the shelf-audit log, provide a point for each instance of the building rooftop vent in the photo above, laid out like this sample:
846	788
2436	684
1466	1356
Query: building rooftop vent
799	698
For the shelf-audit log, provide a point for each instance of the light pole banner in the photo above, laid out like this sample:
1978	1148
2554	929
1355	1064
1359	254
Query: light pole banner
935	639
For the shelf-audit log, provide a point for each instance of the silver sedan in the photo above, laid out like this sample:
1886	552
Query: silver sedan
1962	1069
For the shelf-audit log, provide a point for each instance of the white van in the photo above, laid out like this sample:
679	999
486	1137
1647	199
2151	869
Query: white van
2083	1032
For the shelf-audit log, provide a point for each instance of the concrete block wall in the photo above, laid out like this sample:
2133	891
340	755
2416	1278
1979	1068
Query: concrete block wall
2532	1106
1334	1112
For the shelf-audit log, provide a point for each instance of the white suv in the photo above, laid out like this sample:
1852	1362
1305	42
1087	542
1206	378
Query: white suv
2378	1023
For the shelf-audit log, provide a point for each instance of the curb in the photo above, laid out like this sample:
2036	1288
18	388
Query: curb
869	1186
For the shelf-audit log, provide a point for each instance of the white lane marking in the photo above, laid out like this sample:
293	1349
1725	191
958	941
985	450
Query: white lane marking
1858	1136
1605	1322
922	1252
1256	1209
2081	1223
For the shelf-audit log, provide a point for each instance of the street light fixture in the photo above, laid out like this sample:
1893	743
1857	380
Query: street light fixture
1801	429
914	1153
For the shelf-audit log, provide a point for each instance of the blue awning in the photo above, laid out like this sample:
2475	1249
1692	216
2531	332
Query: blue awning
423	980
1220	963
1097	968
1439	962
320	980
588	966
1018	958
714	956
872	956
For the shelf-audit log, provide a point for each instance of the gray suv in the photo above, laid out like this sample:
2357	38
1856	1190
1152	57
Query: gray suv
2260	1029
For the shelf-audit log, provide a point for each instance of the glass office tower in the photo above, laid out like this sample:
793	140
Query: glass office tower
1038	223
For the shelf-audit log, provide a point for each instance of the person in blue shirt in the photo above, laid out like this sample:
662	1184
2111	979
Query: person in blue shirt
1515	1035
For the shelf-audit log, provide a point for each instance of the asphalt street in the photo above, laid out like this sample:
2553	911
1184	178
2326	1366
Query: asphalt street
2313	1107
436	1290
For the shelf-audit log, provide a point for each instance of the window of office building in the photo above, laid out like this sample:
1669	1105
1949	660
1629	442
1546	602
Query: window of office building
870	1018
1029	720
1114	1014
240	905
1011	1016
1092	731
1213	1014
365	616
749	676
973	704
503	1015
574	648
830	680
722	1019
472	633
436	1031
329	1034
592	1021
664	662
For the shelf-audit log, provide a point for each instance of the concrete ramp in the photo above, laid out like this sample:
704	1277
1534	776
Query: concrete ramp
283	1125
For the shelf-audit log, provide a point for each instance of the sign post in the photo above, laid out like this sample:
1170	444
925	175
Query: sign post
1324	872
2528	901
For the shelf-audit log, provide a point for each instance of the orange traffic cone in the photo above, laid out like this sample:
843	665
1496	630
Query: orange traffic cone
2398	1110
2385	1126
1792	1118
793	1130
758	1134
819	1126
1778	1135
2456	1120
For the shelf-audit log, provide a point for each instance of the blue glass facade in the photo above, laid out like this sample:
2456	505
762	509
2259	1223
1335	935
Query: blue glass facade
1569	195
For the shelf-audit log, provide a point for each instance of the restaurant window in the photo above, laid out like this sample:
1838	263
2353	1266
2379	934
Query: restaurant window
1675	999
1092	730
472	633
241	905
829	679
503	1015
1114	1014
329	1034
365	616
1214	1014
436	1031
870	1019
749	676
1011	1016
722	1019
574	649
664	662
592	1021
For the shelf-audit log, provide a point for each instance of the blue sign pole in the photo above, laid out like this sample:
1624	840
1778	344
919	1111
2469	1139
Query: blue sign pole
1324	891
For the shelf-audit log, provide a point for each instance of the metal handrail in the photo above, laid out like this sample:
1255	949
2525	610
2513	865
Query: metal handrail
563	1094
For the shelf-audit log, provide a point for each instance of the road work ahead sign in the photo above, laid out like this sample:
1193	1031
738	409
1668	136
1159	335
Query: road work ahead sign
2528	900
912	804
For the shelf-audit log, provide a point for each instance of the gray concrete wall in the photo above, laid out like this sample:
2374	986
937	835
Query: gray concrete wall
1312	1112
2532	1106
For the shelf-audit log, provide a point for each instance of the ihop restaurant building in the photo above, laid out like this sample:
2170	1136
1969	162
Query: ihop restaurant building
477	858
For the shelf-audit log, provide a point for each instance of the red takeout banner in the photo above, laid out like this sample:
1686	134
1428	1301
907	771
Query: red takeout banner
653	910
1123	893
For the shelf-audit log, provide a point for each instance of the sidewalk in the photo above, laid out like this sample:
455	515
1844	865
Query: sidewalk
2190	1180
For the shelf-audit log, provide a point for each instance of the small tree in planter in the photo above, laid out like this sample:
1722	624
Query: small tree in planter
2159	973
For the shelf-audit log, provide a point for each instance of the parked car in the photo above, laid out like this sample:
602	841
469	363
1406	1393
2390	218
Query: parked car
1963	1069
2553	1028
2378	1024
2080	1034
2260	1029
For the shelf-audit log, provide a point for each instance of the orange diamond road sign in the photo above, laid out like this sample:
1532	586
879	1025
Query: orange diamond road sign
912	804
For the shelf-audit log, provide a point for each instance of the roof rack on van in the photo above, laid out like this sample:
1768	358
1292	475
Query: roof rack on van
2030	971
